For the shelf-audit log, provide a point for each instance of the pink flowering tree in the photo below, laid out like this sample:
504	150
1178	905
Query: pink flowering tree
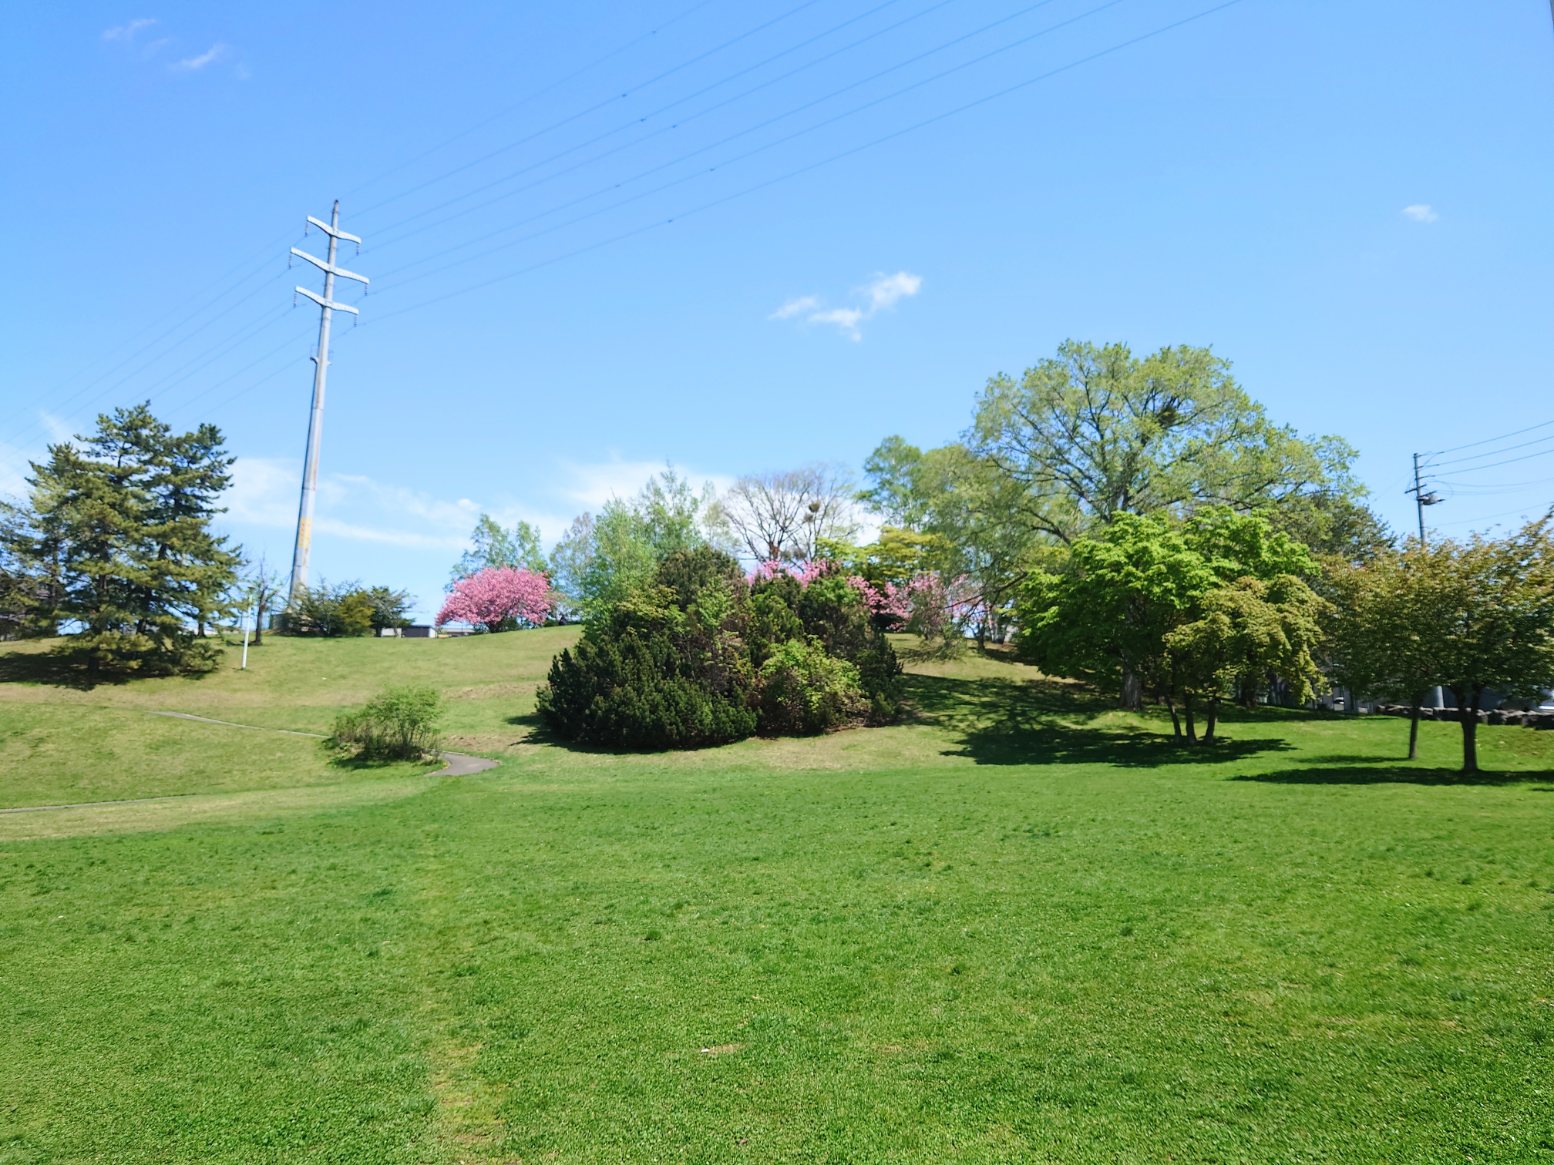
499	598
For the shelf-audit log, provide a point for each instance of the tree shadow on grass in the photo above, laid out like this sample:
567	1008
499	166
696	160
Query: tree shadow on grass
61	667
1388	774
1040	722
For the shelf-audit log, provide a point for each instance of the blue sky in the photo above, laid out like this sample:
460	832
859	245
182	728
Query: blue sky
744	237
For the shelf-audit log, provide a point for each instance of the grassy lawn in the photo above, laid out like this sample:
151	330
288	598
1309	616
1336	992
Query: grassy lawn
1018	928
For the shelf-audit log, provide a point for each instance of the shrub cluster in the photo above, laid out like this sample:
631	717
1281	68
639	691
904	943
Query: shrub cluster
699	656
346	609
396	724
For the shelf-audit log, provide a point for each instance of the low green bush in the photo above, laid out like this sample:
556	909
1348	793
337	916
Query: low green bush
396	724
697	656
804	691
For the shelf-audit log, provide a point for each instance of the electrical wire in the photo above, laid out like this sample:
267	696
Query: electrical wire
523	101
826	161
1493	440
591	109
761	149
1491	453
635	122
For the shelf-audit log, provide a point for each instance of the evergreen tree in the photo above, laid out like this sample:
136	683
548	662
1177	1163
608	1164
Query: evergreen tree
119	532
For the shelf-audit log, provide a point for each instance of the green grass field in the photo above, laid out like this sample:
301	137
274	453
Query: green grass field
1017	928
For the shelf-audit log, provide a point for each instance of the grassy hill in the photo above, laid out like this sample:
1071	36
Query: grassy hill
1018	927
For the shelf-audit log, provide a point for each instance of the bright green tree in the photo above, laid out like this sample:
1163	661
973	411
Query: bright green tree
491	545
1241	632
1114	609
604	557
1095	432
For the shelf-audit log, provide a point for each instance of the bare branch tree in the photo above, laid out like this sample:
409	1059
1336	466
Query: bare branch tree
784	515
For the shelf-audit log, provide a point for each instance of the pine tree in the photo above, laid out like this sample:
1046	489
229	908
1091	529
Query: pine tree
122	519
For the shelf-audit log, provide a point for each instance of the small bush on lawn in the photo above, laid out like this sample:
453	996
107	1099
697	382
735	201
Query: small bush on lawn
396	724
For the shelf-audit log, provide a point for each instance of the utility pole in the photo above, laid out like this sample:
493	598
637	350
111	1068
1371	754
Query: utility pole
1423	497
299	554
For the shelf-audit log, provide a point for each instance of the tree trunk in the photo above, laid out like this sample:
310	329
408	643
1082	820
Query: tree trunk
1132	691
1176	721
1208	733
1467	716
1192	729
1413	726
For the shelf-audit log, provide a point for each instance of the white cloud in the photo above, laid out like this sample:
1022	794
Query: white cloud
1420	212
127	31
881	293
264	492
845	318
795	307
885	290
210	56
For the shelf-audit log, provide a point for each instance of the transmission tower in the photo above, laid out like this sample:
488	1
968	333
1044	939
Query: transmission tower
327	304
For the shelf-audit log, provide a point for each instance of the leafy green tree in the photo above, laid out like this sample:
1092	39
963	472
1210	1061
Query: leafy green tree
390	608
1475	617
1240	632
491	545
1193	611
1379	640
1497	595
605	557
1096	432
344	610
1333	525
965	510
122	518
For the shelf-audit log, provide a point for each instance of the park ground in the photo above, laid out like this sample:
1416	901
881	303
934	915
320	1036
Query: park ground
1017	927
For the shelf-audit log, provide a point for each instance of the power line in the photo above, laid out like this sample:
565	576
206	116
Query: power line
635	122
828	160
78	396
1492	452
592	108
763	148
1493	440
534	96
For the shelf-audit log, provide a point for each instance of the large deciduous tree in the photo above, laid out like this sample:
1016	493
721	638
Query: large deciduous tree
119	527
782	517
1095	432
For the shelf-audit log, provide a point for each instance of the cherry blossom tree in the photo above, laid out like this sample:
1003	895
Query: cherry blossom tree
499	598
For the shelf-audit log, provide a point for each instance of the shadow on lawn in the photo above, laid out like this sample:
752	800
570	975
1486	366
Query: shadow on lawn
61	667
1387	774
1048	722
